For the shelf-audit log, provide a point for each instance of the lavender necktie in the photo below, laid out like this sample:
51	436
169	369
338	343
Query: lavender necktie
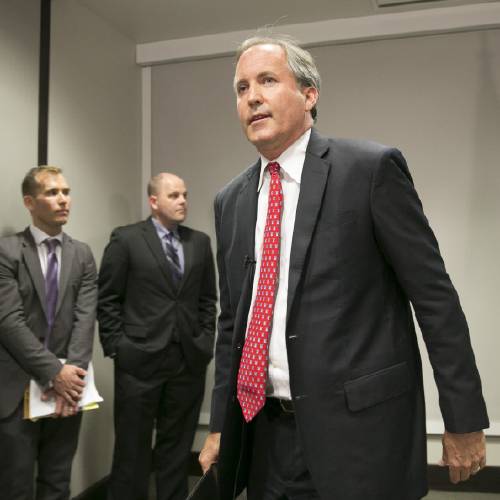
51	284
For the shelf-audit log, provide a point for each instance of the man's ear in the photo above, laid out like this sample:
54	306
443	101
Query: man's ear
29	202
311	95
153	202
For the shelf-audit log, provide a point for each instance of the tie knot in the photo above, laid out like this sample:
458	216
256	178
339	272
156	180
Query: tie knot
51	244
274	167
169	237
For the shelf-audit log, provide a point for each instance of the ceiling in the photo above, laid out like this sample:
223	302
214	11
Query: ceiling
154	20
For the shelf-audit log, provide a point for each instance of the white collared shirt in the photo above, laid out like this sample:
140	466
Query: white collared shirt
39	236
291	162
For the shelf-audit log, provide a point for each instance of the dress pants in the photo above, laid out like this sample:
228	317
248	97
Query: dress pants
277	469
171	398
50	443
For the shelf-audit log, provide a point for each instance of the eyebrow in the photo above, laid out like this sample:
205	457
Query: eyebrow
262	74
49	189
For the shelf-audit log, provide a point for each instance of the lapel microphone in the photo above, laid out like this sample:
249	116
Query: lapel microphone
247	261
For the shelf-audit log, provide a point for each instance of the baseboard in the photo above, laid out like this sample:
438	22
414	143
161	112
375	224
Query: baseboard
486	481
98	491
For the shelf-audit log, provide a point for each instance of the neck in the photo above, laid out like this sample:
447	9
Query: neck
49	230
171	226
271	153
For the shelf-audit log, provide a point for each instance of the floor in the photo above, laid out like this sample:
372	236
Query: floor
446	495
433	495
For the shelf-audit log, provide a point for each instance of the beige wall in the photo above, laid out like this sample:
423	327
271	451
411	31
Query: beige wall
94	134
436	97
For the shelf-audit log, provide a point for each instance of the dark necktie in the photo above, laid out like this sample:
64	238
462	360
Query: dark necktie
51	284
173	258
252	374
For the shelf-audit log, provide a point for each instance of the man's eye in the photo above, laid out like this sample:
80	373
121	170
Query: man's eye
269	79
241	88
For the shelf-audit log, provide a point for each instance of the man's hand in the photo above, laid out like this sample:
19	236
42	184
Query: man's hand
63	408
69	383
464	454
210	452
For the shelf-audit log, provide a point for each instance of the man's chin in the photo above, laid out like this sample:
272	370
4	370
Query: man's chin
261	139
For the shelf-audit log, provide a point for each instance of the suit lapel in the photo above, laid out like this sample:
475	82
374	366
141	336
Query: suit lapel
246	215
154	244
312	186
67	256
32	261
242	248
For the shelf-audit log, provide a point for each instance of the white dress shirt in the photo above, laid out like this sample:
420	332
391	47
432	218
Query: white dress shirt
39	236
291	162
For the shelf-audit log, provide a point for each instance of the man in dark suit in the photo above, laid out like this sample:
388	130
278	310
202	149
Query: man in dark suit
157	320
322	245
48	300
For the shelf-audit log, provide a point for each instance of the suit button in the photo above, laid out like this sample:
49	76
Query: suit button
238	347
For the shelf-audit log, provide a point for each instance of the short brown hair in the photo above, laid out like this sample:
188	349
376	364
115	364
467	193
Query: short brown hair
30	185
154	184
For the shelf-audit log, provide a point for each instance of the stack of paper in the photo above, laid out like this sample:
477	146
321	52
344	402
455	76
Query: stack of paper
35	408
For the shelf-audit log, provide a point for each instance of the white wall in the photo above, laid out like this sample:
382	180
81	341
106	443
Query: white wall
436	97
94	135
19	35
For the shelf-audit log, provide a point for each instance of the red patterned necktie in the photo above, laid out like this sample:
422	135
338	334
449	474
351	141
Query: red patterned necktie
252	374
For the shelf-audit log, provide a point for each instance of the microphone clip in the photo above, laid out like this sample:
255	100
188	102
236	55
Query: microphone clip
247	261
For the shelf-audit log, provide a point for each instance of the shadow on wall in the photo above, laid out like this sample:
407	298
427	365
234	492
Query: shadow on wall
483	222
8	230
119	211
482	269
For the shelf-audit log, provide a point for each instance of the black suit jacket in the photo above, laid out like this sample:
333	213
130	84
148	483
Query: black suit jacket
23	321
362	250
140	310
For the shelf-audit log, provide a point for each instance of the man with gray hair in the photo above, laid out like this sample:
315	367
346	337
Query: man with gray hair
156	317
322	245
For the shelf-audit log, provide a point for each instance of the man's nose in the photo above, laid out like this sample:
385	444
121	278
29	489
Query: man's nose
254	95
63	198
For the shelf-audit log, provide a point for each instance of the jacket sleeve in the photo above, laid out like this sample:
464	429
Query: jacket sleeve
84	312
410	247
225	327
112	286
208	298
15	335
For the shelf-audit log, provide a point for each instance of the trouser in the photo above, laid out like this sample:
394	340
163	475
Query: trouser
169	401
50	443
278	470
